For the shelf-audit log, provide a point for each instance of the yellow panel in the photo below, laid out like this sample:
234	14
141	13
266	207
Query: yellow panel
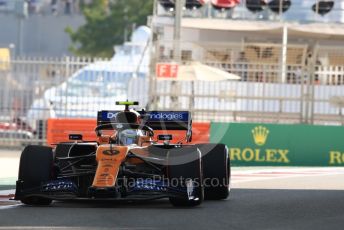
4	59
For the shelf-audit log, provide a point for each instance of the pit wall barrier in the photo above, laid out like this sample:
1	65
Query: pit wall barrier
251	144
59	129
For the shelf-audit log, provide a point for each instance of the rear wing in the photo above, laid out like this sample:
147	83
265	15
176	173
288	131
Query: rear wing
158	120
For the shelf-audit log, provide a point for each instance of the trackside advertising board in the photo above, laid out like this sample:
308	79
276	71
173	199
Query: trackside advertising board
280	145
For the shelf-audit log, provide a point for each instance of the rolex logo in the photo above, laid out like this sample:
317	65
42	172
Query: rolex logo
260	134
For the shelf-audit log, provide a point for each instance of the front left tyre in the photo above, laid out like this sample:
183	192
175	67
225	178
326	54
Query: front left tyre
185	172
216	171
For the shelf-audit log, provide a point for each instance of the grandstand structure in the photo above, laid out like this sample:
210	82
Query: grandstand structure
291	57
41	7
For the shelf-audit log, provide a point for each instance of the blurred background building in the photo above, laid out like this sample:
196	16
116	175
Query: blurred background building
287	52
289	56
37	27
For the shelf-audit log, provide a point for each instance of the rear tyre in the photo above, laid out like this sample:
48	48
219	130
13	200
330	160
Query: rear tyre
216	171
36	166
185	173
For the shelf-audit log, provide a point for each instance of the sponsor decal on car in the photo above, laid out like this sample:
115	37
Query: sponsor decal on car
108	115
59	186
168	116
151	116
149	185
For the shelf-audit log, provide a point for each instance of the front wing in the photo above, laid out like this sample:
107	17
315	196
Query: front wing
141	189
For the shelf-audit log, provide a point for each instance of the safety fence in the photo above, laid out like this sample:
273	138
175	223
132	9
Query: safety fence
253	101
306	90
302	84
29	89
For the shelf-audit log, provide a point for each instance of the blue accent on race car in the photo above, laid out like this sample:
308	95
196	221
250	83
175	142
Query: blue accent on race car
156	186
150	116
59	186
149	185
157	120
168	116
108	116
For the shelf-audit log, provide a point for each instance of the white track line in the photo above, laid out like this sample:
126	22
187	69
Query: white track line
84	228
7	192
9	207
272	174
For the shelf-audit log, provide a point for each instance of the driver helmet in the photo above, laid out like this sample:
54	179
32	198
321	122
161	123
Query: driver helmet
128	137
128	117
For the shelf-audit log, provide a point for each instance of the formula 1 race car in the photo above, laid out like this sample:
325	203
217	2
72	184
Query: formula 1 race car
127	162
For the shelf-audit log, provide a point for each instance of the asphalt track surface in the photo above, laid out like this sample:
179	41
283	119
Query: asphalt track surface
262	198
245	209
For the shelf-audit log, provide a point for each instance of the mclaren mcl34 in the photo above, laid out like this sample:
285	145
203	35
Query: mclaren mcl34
128	161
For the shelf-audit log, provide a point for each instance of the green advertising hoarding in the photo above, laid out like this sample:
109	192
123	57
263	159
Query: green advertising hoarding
252	144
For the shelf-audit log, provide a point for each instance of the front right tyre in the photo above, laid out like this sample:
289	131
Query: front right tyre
36	166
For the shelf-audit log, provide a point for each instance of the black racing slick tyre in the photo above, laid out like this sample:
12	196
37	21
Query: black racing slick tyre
36	166
216	171
185	168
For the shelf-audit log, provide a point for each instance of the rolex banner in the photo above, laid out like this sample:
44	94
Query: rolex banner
280	145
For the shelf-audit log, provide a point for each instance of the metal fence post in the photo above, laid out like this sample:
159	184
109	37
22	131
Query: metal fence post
68	63
284	53
312	81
